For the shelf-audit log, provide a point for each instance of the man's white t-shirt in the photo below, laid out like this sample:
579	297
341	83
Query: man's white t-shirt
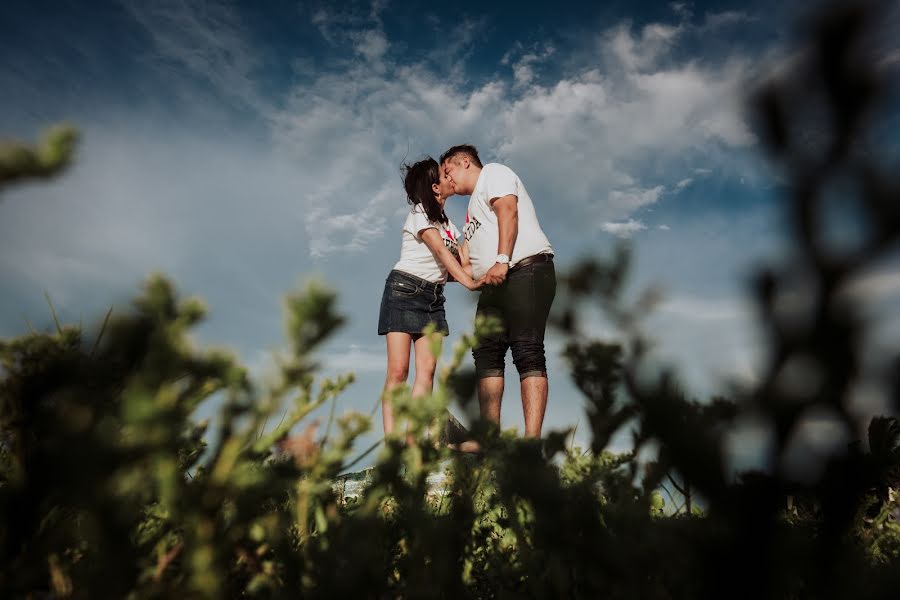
482	230
416	257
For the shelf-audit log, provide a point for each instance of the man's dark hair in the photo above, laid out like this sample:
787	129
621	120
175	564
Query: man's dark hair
417	180
467	149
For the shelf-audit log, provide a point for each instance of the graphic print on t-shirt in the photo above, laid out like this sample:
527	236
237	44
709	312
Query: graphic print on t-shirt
472	225
450	241
416	257
482	226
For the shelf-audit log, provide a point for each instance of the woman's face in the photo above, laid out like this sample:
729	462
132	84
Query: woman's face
445	186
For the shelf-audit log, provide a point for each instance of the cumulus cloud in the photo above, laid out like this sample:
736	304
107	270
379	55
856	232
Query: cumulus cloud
580	140
371	45
629	200
625	229
525	65
636	53
702	309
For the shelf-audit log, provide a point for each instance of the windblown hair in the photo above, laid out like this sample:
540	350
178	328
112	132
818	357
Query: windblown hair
467	149
417	180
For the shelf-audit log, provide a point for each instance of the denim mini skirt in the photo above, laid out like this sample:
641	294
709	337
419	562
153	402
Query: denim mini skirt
410	303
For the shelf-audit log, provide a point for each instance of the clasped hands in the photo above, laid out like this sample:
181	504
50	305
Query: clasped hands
496	274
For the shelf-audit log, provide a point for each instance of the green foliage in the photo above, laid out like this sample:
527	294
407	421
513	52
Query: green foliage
20	161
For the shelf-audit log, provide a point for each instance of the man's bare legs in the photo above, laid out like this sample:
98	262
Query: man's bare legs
534	403
534	389
490	397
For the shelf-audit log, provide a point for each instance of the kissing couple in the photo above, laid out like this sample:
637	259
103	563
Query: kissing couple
503	255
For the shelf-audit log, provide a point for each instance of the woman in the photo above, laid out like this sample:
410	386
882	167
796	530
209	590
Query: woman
414	290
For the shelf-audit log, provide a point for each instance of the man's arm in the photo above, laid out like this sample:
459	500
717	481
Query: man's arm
507	210
464	258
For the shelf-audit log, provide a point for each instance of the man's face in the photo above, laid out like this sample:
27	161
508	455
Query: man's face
454	167
445	185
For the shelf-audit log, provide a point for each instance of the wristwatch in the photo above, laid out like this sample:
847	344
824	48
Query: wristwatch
502	259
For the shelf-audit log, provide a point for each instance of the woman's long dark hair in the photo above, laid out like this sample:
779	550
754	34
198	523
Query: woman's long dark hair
417	180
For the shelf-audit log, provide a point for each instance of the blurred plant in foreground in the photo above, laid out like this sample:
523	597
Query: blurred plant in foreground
19	161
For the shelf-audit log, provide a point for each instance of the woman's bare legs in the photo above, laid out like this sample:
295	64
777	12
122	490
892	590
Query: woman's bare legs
398	349
426	362
398	345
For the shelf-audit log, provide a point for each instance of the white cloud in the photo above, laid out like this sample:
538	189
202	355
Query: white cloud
580	141
684	97
371	45
724	19
639	53
684	183
701	309
207	39
134	204
629	200
377	7
710	342
605	124
682	9
359	358
360	26
663	227
335	21
625	229
457	48
524	67
354	234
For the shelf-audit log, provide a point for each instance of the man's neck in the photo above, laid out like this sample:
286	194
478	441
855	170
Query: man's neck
476	173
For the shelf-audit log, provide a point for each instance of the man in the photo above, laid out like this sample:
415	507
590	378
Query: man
508	248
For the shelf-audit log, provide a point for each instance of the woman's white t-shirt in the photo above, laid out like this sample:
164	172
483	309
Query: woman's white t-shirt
416	257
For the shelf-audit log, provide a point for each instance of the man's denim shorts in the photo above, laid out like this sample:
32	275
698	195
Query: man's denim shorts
410	303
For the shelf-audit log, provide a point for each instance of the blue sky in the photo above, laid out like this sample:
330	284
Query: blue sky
243	148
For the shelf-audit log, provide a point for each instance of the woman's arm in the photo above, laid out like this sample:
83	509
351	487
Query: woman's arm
434	242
